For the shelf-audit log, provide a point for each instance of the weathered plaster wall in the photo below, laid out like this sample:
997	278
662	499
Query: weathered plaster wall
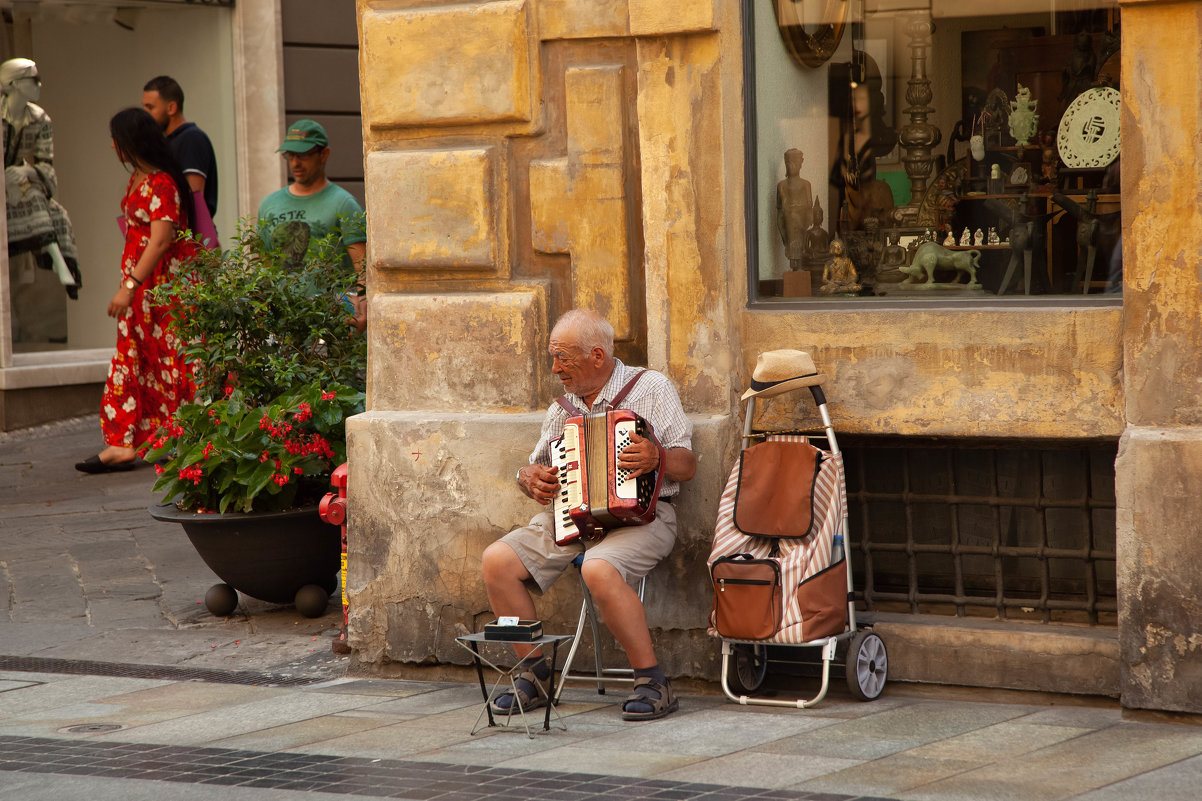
432	490
1159	468
524	157
1026	374
597	159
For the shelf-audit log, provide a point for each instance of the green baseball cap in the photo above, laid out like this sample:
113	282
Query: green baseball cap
303	136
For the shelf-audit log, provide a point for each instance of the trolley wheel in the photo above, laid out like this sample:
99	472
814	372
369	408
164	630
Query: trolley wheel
867	666
747	668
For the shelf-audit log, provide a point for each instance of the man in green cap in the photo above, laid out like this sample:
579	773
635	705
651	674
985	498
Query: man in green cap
311	206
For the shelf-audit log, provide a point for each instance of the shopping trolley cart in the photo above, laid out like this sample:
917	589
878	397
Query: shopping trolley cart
790	588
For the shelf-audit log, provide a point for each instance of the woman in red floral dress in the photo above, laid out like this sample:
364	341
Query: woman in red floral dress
148	379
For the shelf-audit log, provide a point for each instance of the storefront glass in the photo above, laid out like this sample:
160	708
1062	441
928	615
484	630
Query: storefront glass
933	151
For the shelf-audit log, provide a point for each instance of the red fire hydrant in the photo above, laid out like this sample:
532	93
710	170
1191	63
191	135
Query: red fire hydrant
333	510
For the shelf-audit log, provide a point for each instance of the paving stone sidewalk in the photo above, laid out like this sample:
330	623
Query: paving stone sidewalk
115	683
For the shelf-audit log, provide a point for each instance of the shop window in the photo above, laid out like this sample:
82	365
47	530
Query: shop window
933	150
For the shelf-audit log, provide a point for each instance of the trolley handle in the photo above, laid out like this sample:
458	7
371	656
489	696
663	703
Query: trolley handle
819	395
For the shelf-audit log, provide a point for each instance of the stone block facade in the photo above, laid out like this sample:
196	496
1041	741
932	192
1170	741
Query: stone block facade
527	156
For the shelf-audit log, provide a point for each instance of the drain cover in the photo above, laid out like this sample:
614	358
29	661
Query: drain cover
92	728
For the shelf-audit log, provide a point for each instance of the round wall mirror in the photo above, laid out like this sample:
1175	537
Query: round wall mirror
811	43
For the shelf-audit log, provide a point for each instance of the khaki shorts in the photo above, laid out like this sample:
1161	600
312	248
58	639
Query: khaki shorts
634	550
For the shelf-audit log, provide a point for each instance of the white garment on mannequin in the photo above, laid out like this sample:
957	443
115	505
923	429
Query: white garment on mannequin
18	94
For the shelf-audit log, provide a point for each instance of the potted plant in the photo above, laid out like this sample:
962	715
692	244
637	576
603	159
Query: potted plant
278	368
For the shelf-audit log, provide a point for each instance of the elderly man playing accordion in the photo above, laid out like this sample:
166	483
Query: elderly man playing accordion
581	349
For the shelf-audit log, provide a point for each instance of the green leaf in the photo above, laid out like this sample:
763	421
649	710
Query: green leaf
259	479
248	426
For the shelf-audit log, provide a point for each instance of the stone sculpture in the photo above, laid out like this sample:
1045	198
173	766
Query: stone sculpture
839	275
1024	121
794	209
931	257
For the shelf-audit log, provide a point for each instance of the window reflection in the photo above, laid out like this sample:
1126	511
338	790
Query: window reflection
943	153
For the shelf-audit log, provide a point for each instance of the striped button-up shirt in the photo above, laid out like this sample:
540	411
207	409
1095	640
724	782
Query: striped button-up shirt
653	398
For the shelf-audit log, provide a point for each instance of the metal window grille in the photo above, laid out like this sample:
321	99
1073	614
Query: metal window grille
1006	532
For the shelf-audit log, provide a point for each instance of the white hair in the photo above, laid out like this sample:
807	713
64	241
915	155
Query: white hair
591	330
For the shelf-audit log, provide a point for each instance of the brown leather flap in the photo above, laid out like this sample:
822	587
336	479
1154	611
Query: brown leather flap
776	489
823	601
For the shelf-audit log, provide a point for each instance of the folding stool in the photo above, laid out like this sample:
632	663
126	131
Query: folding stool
588	612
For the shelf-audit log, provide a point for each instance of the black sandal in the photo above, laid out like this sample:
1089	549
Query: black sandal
93	465
525	701
665	704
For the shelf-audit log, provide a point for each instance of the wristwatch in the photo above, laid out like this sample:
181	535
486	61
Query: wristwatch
129	284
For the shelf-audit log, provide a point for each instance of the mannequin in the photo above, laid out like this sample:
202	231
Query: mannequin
37	224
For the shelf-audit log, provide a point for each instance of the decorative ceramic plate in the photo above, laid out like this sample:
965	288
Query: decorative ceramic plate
1089	129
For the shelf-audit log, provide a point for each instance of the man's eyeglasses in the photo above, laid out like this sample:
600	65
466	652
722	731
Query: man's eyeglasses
288	155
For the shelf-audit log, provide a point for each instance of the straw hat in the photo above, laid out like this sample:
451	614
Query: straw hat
778	371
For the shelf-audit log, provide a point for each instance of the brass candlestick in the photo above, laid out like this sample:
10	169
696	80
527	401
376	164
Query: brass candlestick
918	137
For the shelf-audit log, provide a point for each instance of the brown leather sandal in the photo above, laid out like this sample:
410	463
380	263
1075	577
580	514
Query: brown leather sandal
665	704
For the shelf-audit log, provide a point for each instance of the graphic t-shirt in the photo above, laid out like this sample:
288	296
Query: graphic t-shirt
293	222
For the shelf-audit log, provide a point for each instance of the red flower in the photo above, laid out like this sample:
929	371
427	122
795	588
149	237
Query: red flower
193	474
329	395
303	412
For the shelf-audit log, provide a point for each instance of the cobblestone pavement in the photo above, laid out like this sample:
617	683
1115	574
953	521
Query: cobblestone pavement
115	683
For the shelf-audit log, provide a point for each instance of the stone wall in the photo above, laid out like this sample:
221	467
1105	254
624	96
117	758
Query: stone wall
1159	468
590	152
562	153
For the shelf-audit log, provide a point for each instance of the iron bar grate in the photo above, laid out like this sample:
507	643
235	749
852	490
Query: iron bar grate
1006	531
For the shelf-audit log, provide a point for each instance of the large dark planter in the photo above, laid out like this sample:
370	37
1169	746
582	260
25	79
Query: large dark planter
281	557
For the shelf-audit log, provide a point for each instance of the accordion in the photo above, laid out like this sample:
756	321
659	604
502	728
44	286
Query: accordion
594	493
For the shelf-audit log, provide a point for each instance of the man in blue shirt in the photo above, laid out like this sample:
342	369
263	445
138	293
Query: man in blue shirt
163	98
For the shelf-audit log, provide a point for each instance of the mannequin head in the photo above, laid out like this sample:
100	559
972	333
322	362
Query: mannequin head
19	79
163	99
